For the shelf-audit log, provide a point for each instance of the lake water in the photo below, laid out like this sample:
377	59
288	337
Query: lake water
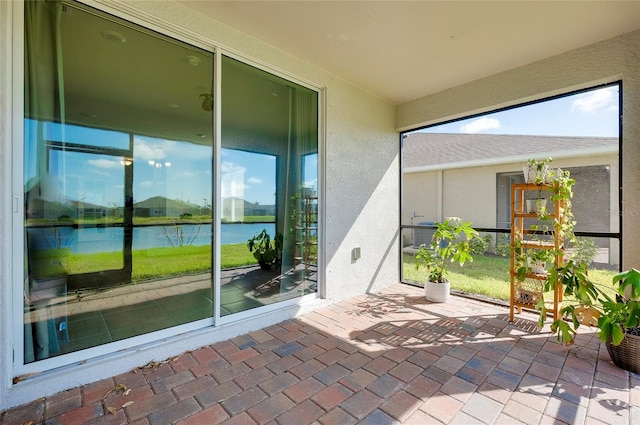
109	239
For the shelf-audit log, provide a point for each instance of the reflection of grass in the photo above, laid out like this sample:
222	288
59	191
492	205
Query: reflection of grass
487	275
158	262
169	221
259	219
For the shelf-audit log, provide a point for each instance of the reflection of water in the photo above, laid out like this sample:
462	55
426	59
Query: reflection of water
110	239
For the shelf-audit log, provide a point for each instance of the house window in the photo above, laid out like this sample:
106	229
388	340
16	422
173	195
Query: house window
120	175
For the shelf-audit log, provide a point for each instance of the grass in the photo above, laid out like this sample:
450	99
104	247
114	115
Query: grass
487	275
153	262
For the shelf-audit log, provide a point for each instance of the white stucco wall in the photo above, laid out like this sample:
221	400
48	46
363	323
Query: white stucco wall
470	192
359	208
420	196
607	61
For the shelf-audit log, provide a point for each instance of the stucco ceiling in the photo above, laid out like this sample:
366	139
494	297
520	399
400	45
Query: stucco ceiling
403	50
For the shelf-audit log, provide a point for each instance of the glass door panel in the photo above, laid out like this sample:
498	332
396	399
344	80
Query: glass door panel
269	189
118	180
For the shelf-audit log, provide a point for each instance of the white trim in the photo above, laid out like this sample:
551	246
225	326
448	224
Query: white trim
9	26
217	183
17	193
511	159
321	290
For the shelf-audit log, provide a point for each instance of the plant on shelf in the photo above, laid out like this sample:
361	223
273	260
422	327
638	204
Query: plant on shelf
539	259
536	257
451	242
617	315
265	250
536	171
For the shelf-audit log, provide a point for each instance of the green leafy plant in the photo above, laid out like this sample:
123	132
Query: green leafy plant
503	245
480	245
616	315
264	249
585	250
450	242
540	257
538	169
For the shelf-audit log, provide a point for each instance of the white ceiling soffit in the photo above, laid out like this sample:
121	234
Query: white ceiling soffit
403	50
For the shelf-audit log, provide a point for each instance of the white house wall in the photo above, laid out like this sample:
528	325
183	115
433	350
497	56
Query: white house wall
419	196
470	192
607	61
359	193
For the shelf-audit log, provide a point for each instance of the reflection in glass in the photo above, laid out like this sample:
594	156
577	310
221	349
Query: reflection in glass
269	183
117	172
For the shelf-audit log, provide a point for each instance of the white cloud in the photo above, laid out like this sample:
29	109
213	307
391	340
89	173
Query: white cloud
479	125
151	149
596	100
104	163
230	167
146	151
254	180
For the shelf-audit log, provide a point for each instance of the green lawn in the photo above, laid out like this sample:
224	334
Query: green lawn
160	262
487	275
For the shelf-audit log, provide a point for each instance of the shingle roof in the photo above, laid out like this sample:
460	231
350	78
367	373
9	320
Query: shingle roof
449	149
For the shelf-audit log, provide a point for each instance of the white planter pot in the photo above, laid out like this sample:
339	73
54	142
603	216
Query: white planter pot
531	174
537	267
437	292
536	205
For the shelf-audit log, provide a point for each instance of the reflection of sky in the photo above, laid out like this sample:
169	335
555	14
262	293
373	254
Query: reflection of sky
172	169
175	170
258	173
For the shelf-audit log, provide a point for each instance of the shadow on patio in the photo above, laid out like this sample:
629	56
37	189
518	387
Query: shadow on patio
383	358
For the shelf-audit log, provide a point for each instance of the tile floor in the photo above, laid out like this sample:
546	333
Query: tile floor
384	358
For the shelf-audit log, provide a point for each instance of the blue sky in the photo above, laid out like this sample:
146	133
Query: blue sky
589	114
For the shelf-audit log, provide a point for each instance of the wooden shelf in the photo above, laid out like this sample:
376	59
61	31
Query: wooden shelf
526	293
306	233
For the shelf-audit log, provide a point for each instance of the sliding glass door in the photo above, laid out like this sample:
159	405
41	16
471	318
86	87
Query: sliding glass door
118	165
269	132
119	171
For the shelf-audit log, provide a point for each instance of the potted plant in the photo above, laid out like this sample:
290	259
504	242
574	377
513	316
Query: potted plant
537	172
265	250
450	242
617	315
539	259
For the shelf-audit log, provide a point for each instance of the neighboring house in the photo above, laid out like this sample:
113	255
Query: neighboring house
445	174
235	209
258	209
352	132
41	209
470	176
85	210
159	206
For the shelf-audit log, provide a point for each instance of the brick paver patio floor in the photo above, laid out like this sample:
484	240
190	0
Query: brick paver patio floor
383	358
